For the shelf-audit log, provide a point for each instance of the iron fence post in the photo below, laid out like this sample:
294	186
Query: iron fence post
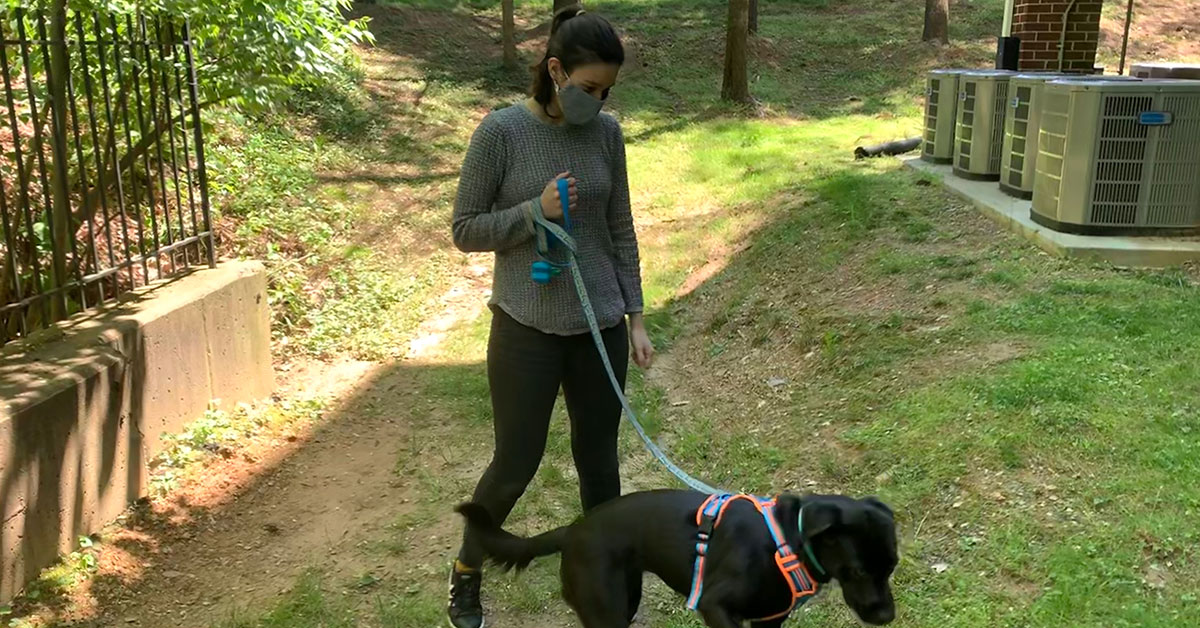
198	132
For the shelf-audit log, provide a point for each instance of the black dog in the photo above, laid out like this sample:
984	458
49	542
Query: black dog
605	553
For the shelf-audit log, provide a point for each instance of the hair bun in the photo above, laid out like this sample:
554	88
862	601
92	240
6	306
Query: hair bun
564	14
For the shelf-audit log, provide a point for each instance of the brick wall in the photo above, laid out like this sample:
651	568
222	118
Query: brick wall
1038	23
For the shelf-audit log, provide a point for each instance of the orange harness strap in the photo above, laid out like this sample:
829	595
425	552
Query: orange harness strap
793	569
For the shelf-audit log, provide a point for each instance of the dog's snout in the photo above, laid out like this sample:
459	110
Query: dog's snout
880	614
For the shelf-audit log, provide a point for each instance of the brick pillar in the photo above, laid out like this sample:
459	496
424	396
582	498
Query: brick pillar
1039	25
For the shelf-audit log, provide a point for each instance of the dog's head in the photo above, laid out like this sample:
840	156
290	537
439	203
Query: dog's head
855	541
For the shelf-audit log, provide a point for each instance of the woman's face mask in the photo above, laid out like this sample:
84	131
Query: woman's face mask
578	106
582	99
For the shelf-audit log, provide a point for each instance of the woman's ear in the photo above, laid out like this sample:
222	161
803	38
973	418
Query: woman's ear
557	73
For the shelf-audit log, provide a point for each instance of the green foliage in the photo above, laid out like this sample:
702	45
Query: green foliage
250	53
219	431
128	93
339	107
256	50
74	568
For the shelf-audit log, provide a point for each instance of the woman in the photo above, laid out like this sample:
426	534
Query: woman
539	337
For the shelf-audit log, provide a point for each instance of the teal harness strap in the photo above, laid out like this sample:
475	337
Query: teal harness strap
808	550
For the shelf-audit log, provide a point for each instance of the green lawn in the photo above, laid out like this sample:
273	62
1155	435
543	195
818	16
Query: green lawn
825	324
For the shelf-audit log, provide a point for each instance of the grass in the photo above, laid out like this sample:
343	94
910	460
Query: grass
332	288
825	324
308	603
220	431
1028	417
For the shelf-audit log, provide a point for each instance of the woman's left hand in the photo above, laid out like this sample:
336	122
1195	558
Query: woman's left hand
639	341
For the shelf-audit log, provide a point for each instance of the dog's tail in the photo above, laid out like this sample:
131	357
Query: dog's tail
508	550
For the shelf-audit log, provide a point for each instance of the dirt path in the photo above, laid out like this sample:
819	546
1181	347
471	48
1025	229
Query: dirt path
244	532
191	564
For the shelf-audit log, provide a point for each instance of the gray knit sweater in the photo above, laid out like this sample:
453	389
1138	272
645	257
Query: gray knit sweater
513	155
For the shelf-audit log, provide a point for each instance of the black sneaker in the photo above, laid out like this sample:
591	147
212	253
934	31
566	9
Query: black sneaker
465	609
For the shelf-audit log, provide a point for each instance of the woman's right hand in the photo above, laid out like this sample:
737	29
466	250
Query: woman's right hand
552	204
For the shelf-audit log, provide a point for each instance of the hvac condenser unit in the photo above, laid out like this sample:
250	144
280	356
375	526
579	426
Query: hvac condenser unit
941	105
1165	70
979	134
1119	157
1021	129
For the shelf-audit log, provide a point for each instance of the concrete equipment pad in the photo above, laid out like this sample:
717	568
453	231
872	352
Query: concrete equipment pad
1013	214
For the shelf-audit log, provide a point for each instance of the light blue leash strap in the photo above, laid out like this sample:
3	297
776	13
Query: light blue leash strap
577	278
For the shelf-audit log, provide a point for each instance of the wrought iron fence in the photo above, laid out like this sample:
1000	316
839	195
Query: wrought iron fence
103	186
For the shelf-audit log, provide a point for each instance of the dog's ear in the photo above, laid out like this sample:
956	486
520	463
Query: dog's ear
874	501
819	517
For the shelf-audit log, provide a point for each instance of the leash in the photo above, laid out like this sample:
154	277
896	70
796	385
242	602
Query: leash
792	567
543	271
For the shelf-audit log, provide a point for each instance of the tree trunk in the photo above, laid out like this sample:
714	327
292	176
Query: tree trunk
509	36
60	209
937	21
753	17
736	86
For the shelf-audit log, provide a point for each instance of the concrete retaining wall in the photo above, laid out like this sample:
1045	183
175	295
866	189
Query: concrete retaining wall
83	406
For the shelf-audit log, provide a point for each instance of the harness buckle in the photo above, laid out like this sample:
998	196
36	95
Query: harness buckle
793	569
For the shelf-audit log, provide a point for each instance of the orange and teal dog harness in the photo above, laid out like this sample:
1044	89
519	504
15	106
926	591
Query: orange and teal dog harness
793	569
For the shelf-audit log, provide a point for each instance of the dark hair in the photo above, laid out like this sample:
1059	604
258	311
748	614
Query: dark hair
576	38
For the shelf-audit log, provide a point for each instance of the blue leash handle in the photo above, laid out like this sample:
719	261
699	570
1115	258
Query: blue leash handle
549	228
564	191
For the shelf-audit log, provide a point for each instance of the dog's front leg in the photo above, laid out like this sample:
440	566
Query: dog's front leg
716	616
